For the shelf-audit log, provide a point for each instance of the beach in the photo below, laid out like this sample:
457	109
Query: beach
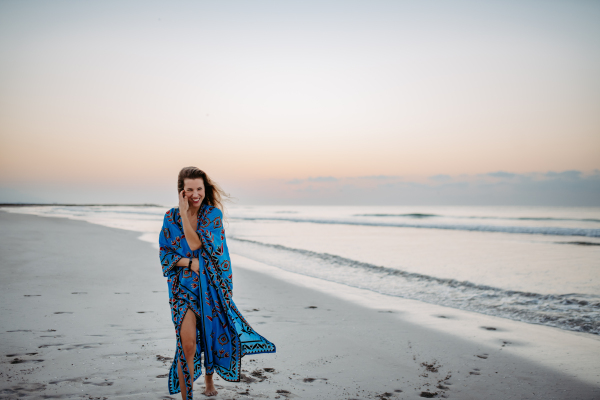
85	314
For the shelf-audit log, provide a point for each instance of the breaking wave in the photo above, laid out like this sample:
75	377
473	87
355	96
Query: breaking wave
572	311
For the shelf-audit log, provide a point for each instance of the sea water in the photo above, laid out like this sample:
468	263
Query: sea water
533	264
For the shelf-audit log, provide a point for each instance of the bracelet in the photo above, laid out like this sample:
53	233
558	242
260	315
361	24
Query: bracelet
190	264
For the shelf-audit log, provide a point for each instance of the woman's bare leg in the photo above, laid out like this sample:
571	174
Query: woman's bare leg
188	342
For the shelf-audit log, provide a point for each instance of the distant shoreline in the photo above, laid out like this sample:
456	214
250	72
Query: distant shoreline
74	205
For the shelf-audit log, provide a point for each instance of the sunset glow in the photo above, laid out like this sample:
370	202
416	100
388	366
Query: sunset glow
113	98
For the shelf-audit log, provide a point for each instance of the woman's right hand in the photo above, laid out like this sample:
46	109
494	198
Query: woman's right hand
195	265
184	205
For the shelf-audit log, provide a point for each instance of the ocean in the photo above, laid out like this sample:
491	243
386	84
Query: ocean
533	264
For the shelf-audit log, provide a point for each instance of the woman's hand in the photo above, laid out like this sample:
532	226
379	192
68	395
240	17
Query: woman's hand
195	265
189	230
184	205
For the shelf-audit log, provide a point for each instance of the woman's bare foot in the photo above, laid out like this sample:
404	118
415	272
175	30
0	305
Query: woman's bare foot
209	390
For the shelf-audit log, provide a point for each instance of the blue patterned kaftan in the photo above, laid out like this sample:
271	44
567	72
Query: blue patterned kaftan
222	333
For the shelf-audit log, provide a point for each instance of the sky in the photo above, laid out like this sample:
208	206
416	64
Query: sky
302	102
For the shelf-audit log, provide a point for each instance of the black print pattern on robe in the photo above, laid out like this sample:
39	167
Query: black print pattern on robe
223	335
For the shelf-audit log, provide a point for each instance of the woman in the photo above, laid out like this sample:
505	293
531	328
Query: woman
195	259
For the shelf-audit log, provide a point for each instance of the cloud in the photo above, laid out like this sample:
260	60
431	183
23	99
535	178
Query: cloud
323	179
379	177
441	178
501	174
550	188
564	175
563	188
311	179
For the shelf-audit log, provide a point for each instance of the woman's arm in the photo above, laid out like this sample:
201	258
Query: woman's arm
184	262
191	236
213	237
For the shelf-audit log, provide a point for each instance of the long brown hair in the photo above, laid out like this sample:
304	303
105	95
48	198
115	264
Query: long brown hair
214	195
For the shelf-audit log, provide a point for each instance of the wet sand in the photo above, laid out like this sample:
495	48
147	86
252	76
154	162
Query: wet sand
85	315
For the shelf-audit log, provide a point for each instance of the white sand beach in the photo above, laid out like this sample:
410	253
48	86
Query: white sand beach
85	314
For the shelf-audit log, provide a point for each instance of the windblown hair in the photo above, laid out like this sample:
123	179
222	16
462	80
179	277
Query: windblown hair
214	195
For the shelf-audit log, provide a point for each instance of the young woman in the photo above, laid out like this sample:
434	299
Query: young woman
195	259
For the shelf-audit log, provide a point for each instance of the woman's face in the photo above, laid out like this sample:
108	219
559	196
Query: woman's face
194	191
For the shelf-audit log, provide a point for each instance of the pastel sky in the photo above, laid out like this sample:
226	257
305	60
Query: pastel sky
307	102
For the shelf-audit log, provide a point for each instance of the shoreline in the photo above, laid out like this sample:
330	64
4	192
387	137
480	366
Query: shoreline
74	205
91	303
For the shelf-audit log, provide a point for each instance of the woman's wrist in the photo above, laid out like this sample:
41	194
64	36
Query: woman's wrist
195	265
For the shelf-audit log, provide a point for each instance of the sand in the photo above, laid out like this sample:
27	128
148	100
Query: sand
85	315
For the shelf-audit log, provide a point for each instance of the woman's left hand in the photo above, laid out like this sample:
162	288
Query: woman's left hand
184	205
195	265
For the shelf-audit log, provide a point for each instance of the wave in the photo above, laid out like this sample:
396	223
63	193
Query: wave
411	215
531	230
64	210
572	311
419	215
581	243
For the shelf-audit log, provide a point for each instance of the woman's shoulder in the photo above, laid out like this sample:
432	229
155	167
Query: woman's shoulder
172	213
213	212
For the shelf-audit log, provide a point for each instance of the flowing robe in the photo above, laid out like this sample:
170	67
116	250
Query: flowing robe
222	333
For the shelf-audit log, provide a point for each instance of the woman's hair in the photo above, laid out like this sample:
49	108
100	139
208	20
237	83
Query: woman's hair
214	195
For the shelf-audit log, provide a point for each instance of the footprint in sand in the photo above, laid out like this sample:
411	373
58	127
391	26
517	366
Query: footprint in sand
18	355
484	355
24	389
21	361
56	382
309	380
431	367
63	312
489	328
447	316
311	307
163	359
246	379
475	372
259	375
49	345
99	384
